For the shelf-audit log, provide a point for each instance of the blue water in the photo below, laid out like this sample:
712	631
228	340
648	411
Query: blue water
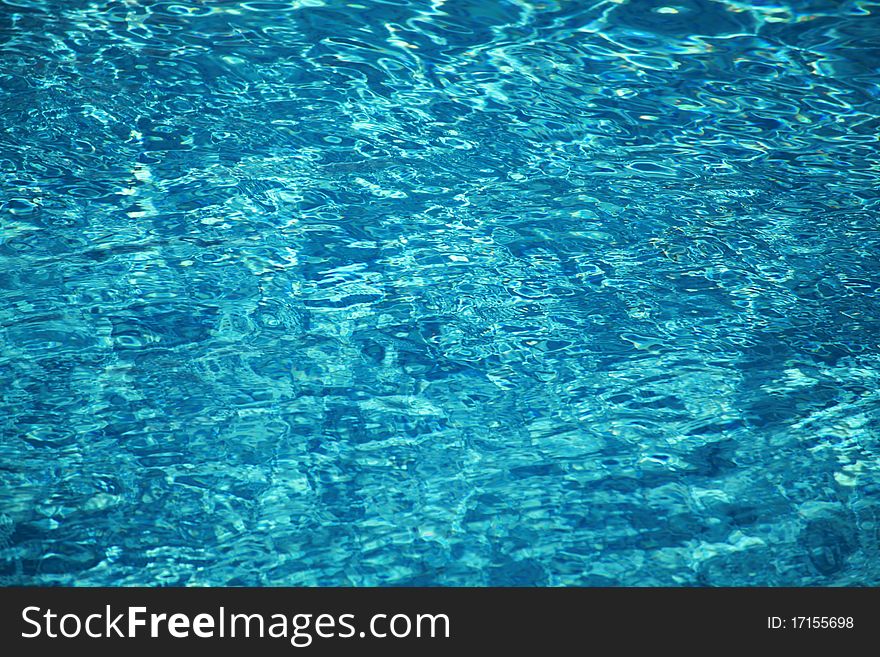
440	292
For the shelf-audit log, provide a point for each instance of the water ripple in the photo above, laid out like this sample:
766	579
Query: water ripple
432	292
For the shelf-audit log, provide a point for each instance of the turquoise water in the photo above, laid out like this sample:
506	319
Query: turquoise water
439	292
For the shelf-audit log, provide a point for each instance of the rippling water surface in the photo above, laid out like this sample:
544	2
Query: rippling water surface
458	292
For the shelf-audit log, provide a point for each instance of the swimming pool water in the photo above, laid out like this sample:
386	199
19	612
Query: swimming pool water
459	292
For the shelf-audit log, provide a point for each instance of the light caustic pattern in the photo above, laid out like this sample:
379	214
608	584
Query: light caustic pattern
445	293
